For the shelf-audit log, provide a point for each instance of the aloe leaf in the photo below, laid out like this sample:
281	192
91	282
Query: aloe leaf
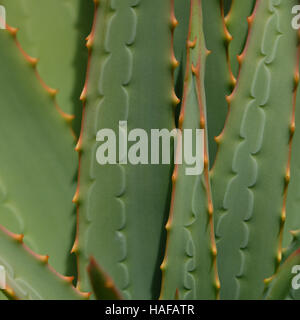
54	31
103	286
237	25
38	163
129	79
217	78
189	267
280	286
250	176
29	276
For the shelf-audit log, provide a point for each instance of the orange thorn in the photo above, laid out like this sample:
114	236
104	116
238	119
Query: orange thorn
195	70
214	251
32	61
250	20
18	237
287	176
174	62
283	216
51	91
44	259
75	247
192	44
83	94
12	31
76	197
174	22
279	257
228	36
229	98
210	209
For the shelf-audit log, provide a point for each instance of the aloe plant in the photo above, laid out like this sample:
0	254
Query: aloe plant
149	231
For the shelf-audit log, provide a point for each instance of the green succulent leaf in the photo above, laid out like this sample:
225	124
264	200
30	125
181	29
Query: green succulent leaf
249	179
54	31
130	79
38	162
189	264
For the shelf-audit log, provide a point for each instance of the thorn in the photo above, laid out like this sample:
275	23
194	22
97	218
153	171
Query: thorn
202	122
32	61
229	98
175	99
232	80
174	62
169	224
206	162
268	280
89	43
180	120
12	31
75	248
78	146
192	44
208	52
218	139
163	266
283	216
174	21
68	279
214	251
44	259
250	20
228	36
240	58
67	117
52	92
218	284
10	292
296	80
195	70
18	237
174	176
